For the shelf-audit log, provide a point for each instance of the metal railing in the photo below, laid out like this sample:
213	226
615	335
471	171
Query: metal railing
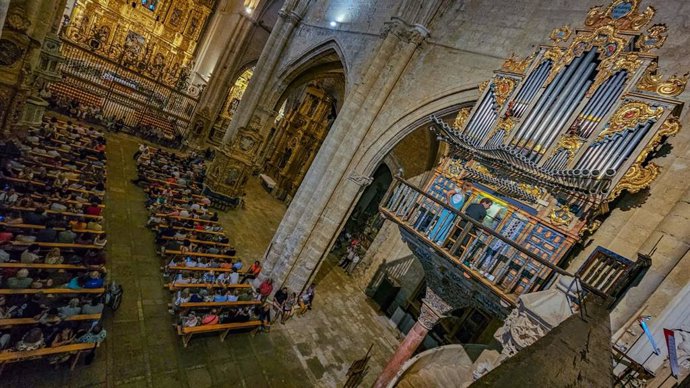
501	264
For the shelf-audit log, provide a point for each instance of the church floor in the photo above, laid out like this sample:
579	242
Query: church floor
143	350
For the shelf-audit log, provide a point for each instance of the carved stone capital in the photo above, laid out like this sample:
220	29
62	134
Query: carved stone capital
415	34
433	308
290	16
360	180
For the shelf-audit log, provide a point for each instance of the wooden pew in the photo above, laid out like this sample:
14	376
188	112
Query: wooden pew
179	286
187	218
56	245
42	184
55	199
22	291
203	242
67	267
198	254
8	357
31	321
190	229
187	332
67	214
31	226
202	269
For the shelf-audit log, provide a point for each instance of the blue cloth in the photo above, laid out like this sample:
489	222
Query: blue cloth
446	219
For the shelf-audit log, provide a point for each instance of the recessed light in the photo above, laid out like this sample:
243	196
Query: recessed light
334	24
248	10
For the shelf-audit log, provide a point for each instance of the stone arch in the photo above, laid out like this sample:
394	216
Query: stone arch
321	60
442	103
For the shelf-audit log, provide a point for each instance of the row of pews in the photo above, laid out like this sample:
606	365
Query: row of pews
199	264
52	259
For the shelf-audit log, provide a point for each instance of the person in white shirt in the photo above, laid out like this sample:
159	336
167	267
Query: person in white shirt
8	197
234	277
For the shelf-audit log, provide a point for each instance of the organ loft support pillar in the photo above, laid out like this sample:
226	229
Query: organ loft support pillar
213	97
433	309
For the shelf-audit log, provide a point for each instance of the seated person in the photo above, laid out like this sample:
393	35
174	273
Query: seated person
96	335
20	280
30	255
47	235
95	306
66	237
72	308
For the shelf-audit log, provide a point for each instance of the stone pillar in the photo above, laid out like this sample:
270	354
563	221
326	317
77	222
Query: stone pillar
313	219
433	308
222	79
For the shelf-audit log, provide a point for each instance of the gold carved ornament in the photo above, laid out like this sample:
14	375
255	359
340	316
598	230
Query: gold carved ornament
461	117
483	85
505	124
553	54
653	39
532	190
629	62
591	227
630	115
606	38
454	169
653	82
503	86
638	176
561	216
517	65
569	143
622	14
561	34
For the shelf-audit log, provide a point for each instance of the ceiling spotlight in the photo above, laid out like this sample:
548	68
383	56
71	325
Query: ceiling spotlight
248	10
334	24
340	18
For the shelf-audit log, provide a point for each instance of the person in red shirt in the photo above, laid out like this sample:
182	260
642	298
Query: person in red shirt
93	210
253	271
265	289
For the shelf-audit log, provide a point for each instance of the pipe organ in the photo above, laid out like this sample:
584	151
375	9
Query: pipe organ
578	118
552	140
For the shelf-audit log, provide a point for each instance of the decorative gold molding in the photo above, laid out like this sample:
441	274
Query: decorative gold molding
554	54
629	62
454	169
561	34
483	85
533	190
654	38
653	82
561	216
516	65
503	86
629	115
461	117
606	38
638	176
622	14
590	228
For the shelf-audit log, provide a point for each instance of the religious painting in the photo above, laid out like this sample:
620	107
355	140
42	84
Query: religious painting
194	25
149	4
175	19
232	177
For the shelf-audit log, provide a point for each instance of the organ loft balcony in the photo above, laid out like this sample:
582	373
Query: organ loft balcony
489	263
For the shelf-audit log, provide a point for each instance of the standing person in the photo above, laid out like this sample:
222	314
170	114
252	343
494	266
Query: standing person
288	307
347	259
477	211
264	314
279	299
307	299
353	263
456	199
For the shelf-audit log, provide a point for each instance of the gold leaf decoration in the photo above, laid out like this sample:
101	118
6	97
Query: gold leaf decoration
561	34
483	85
630	115
622	14
653	82
533	190
461	118
561	216
653	39
629	62
503	86
516	65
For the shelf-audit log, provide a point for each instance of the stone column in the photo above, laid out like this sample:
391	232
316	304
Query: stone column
433	308
215	93
233	165
316	201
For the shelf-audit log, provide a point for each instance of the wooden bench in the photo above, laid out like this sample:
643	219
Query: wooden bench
188	332
31	321
23	291
178	286
198	254
67	214
66	267
31	226
8	357
190	229
202	269
220	244
200	220
42	184
57	245
191	305
53	199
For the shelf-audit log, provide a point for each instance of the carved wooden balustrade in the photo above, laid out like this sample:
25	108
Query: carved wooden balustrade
484	256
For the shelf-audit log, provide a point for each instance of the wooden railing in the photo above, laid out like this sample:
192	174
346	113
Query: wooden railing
499	263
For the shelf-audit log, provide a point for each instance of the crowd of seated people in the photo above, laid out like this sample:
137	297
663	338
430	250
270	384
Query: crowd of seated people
52	274
209	284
